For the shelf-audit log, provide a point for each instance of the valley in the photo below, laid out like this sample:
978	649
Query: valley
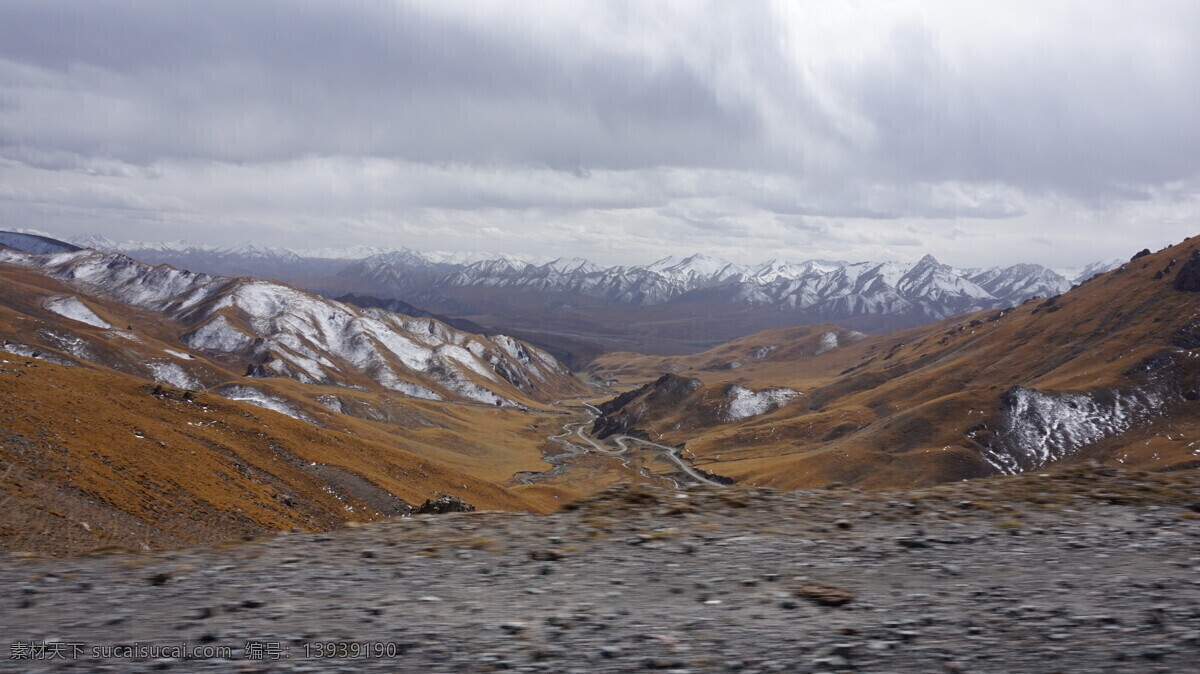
259	381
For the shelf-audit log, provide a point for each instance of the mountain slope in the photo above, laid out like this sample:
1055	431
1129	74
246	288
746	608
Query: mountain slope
1110	370
268	329
288	398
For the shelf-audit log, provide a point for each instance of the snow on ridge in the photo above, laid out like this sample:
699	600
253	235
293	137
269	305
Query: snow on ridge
512	348
311	366
1038	428
332	402
926	279
421	344
468	389
70	307
135	283
745	403
548	360
1077	275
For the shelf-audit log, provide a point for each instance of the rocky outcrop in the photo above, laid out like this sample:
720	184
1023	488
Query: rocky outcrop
626	411
1187	278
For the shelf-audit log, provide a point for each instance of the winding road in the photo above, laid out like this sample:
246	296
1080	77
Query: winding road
558	461
576	428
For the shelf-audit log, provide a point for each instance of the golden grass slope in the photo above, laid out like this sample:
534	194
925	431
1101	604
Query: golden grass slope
97	458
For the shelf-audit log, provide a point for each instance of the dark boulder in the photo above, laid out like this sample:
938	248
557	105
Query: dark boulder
444	504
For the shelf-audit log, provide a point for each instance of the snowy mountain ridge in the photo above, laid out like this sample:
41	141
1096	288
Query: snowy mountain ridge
824	288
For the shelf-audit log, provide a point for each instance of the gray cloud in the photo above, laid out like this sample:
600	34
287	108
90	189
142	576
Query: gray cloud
1057	113
617	128
236	81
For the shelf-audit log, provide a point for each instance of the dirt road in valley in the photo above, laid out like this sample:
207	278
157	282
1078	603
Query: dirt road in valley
672	454
561	463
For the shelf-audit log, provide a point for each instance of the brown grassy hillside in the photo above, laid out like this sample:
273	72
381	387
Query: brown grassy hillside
96	458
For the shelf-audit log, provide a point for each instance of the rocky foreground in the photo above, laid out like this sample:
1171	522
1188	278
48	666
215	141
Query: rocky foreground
1079	570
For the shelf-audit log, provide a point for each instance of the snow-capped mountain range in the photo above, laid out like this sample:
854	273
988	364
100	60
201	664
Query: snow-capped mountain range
827	289
831	289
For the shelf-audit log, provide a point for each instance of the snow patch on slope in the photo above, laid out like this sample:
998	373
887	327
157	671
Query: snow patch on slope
34	352
411	390
745	403
313	372
217	335
173	375
764	351
829	341
1038	428
258	398
70	307
69	343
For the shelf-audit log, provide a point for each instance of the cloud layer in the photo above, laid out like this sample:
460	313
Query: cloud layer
1056	132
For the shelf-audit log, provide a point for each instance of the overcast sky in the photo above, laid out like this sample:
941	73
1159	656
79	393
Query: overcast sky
982	132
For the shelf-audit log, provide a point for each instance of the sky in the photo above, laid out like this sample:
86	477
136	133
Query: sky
985	133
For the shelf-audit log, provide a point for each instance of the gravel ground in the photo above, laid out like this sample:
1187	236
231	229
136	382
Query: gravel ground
1086	571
